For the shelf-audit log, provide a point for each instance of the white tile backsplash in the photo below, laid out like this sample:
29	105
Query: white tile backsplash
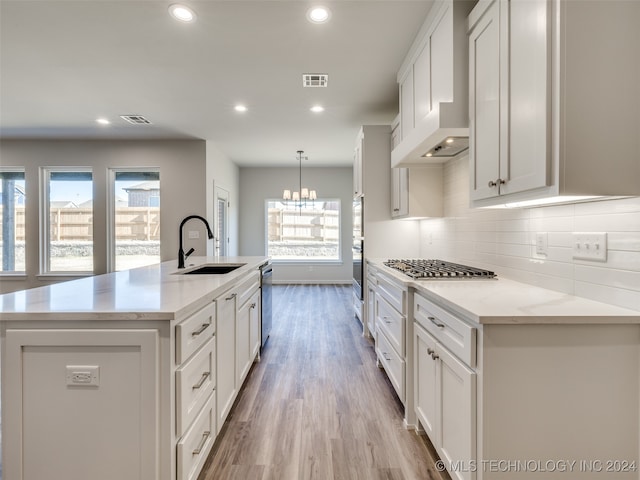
503	240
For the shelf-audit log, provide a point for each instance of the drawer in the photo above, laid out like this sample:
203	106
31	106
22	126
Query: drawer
194	332
391	323
195	381
393	293
456	335
392	363
247	288
194	446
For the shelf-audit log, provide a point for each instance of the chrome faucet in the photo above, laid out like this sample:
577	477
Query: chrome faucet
181	254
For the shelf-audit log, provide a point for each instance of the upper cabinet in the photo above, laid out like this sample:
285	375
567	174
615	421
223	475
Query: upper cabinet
553	100
434	89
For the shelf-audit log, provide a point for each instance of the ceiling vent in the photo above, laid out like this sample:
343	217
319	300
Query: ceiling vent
315	79
136	119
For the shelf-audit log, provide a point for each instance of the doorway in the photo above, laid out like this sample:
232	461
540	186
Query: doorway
221	221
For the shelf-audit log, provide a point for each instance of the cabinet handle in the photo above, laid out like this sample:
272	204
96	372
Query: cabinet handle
386	356
396	209
232	296
434	356
202	328
433	320
430	351
204	377
496	183
386	319
253	305
199	448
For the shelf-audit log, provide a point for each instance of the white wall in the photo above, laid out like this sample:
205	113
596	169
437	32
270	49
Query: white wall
222	172
259	184
182	192
504	241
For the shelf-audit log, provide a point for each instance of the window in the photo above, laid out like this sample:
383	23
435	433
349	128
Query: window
67	232
135	218
309	232
12	234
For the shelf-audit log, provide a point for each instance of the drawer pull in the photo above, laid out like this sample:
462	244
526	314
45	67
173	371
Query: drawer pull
232	296
386	356
202	328
430	351
434	356
205	435
386	319
433	320
253	305
204	377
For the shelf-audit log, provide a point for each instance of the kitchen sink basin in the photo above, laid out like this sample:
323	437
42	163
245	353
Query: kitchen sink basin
215	269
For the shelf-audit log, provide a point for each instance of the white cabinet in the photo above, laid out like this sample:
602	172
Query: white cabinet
255	324
445	387
536	70
393	338
372	285
433	87
248	334
226	356
417	192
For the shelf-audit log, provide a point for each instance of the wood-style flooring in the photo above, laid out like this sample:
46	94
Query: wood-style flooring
316	406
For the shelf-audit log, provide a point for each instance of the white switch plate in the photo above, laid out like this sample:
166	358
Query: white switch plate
194	234
590	246
83	375
541	243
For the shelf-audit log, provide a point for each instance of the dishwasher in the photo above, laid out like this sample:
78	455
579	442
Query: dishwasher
266	273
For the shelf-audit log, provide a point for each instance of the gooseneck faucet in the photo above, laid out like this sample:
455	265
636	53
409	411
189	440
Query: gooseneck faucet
181	255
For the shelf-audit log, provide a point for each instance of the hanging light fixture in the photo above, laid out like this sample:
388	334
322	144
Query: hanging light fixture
300	196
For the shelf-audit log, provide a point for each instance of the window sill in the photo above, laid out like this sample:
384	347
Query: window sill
65	274
13	275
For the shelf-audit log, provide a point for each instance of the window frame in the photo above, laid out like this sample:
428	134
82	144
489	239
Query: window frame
17	273
111	209
45	227
307	261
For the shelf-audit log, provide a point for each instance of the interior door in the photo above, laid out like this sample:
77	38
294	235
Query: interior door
221	221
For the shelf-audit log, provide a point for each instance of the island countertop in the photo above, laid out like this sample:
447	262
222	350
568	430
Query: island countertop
155	292
505	301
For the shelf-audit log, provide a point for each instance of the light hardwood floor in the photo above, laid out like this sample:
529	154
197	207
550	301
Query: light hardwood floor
316	406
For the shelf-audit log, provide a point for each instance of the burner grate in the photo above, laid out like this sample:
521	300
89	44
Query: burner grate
437	269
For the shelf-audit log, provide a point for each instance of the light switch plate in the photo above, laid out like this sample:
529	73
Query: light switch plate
541	243
590	246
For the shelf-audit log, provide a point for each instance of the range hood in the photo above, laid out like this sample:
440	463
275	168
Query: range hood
434	89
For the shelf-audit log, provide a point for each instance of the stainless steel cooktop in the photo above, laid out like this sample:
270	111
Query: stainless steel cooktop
437	269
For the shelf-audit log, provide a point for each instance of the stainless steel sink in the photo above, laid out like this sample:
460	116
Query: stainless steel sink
214	269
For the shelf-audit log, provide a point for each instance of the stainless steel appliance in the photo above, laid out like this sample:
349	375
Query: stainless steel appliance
437	269
266	274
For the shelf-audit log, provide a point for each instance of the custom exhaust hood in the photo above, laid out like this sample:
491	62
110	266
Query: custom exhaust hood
434	89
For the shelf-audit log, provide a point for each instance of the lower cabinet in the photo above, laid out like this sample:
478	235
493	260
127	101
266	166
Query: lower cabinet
225	356
248	336
194	446
445	402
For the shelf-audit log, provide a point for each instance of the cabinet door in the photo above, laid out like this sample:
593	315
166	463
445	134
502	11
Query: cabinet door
254	326
484	103
456	390
242	343
526	161
371	310
422	83
225	356
425	382
400	192
406	105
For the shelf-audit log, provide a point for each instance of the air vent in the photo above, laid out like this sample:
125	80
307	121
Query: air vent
315	79
136	119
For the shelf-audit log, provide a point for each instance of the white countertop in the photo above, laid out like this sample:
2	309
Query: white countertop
504	301
155	292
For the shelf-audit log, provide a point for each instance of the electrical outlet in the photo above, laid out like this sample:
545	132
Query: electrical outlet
83	375
541	243
194	234
590	246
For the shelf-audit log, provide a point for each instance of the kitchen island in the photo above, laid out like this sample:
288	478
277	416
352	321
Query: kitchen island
127	375
509	380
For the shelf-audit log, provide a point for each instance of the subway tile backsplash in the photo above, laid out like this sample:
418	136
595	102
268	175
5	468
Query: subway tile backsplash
504	240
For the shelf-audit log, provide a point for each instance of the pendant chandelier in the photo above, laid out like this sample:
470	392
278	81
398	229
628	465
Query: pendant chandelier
300	196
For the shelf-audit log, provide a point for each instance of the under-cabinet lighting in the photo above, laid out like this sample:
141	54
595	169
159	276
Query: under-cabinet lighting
540	202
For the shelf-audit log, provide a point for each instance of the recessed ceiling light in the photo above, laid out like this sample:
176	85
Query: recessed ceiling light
317	109
318	14
103	121
240	108
182	13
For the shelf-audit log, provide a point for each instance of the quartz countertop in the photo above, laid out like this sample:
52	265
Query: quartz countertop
505	301
156	292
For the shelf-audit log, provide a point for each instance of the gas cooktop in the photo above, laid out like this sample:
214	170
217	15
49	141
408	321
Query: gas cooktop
437	269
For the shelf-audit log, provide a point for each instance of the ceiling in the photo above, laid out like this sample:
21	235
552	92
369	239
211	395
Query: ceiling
63	64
